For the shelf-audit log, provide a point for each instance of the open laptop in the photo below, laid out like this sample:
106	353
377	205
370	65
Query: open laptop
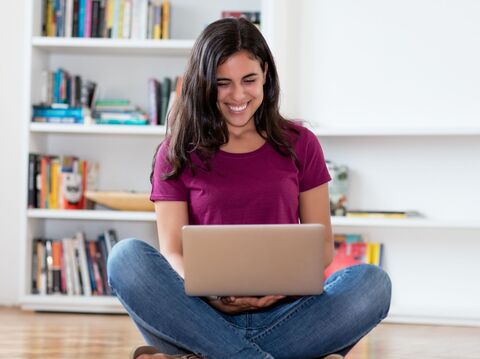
253	260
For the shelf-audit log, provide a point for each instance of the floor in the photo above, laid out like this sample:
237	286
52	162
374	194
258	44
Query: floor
60	336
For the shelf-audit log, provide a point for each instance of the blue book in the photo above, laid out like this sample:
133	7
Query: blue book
81	17
76	112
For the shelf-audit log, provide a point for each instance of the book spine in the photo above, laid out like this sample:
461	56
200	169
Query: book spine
157	23
34	271
166	19
67	112
81	18
75	18
95	18
88	18
82	257
68	18
127	19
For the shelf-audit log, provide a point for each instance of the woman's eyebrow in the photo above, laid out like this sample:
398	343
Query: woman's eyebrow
227	79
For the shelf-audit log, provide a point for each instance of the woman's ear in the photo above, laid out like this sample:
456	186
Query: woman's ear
265	73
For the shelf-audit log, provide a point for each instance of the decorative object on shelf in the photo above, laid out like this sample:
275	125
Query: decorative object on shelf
122	201
338	188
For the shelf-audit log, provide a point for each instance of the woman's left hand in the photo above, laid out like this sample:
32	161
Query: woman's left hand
234	305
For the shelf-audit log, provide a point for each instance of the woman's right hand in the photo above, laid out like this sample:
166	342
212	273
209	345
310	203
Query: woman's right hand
235	305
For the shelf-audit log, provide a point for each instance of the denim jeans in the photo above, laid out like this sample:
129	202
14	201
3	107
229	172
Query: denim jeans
354	301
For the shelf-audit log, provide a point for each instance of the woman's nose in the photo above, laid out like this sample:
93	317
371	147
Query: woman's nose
237	93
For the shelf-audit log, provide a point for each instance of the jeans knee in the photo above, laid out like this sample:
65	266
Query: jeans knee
122	259
380	286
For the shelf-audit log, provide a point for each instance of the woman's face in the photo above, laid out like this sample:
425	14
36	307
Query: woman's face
240	81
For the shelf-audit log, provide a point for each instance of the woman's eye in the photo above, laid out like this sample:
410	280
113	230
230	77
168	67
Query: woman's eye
250	81
221	84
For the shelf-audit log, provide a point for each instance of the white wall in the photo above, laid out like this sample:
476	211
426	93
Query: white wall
376	62
12	40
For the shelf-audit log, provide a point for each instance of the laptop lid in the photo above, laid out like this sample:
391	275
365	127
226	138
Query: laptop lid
252	260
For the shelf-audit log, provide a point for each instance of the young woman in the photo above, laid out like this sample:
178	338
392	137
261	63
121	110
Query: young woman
231	158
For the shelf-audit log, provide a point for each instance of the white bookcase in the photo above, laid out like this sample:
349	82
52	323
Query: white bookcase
121	67
432	168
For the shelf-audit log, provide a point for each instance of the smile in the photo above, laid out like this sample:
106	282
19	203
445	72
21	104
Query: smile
239	108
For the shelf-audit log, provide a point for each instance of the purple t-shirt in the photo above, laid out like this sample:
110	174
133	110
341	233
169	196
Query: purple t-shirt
259	187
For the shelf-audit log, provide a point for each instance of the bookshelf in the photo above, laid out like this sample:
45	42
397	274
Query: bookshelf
121	68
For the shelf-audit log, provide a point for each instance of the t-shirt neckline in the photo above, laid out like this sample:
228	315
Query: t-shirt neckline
243	154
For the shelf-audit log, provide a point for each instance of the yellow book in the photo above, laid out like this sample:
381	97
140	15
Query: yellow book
49	20
109	17
166	19
376	250
54	187
368	254
120	19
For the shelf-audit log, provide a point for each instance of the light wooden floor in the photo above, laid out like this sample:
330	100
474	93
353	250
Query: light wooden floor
59	336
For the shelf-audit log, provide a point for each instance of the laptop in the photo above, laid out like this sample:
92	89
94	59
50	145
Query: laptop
253	260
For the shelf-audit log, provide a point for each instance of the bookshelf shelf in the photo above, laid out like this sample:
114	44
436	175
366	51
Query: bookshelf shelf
113	46
98	129
397	131
100	215
405	223
93	304
336	221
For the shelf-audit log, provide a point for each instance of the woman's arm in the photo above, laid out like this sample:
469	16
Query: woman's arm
171	217
315	208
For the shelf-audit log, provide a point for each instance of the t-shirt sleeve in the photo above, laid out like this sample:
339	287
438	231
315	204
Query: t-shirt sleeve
313	169
166	190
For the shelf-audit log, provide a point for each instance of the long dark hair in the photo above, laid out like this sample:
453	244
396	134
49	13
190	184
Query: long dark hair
196	123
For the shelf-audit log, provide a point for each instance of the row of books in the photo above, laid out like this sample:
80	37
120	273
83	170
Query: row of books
118	19
72	266
252	16
352	249
59	182
62	89
161	97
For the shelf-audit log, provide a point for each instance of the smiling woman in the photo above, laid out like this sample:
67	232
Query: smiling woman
231	158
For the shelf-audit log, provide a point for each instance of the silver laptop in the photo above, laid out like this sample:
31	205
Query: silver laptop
253	260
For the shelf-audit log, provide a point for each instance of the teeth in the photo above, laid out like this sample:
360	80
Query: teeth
238	108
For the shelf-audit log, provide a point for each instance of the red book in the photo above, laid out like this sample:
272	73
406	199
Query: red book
347	255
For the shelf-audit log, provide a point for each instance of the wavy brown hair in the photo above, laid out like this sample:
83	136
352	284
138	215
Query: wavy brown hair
196	123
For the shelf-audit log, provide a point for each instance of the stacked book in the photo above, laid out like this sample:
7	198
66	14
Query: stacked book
72	266
118	112
118	19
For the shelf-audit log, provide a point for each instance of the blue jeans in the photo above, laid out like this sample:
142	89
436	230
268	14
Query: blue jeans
355	300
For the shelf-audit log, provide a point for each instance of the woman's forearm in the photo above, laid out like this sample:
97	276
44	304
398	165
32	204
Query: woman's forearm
176	261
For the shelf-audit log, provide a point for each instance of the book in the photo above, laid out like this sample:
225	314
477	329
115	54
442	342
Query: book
165	22
165	91
252	16
83	263
383	214
351	249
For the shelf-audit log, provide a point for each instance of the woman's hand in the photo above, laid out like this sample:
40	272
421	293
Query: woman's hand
235	305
